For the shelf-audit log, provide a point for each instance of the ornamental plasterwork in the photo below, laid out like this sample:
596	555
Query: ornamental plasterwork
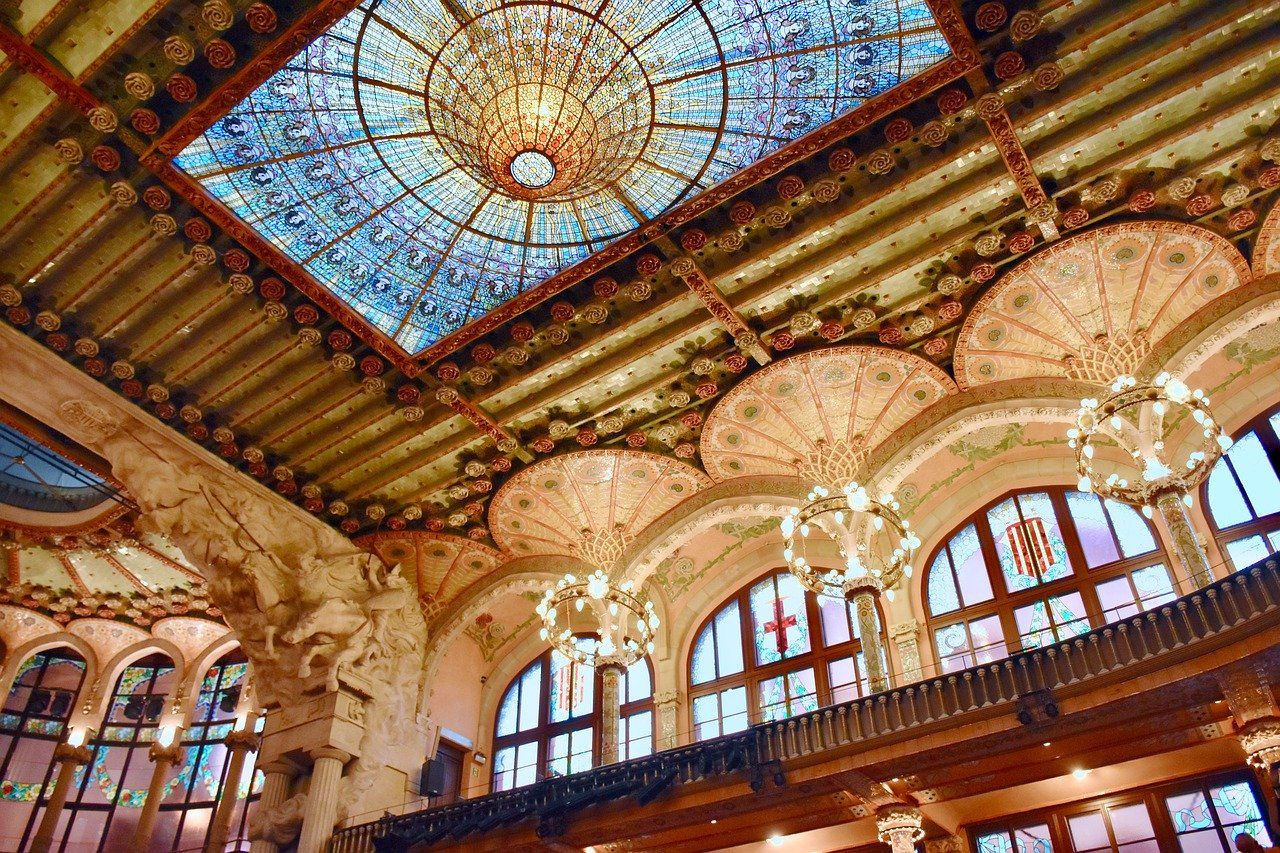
19	626
1266	249
107	638
190	635
818	413
444	565
678	572
1094	305
1226	336
591	502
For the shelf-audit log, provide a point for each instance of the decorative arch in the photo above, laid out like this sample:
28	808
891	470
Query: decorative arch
1036	566
594	499
817	410
770	651
443	565
1096	304
1266	248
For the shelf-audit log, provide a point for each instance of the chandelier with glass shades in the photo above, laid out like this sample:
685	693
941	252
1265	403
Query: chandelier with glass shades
596	622
1129	448
875	542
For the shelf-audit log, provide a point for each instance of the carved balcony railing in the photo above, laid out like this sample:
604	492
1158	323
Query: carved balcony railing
1022	683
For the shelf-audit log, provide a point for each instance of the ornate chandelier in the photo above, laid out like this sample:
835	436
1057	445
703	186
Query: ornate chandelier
596	622
900	826
874	541
1150	466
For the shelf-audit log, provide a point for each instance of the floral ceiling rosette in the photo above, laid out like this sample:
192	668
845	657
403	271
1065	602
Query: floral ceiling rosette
428	160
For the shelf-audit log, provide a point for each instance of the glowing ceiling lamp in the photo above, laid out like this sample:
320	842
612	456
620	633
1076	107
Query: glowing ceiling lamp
1146	463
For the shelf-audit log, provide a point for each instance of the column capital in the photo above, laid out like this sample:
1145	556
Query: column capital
668	697
75	755
282	767
329	752
909	628
158	753
241	739
1261	741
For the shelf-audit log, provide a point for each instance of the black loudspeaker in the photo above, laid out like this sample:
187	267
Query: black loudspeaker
431	784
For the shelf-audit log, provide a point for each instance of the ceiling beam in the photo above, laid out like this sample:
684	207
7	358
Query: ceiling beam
688	271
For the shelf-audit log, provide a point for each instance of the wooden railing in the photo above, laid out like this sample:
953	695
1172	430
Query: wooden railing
1025	681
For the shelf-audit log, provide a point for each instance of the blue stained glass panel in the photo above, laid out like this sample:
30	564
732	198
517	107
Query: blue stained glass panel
428	161
943	597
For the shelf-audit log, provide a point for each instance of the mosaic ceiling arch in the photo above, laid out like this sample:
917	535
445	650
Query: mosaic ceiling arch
1266	251
428	160
783	418
593	501
1094	305
444	565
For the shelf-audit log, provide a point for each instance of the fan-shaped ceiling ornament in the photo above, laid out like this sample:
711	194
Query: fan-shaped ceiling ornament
1266	250
819	414
1094	306
589	504
444	565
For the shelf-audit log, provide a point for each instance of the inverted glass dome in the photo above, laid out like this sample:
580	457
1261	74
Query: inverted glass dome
427	160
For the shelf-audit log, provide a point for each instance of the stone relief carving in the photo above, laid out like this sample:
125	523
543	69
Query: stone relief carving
295	591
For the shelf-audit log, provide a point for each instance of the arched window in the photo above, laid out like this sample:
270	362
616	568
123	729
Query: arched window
185	814
32	724
1036	567
549	720
107	799
1242	493
758	657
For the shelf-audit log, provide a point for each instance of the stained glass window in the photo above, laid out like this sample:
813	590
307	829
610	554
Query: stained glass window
1243	494
1027	839
788	670
428	161
185	813
550	714
1038	567
102	809
32	723
1116	828
1214	814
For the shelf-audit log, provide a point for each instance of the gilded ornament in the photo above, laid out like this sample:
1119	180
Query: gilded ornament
990	106
457	519
375	512
217	14
610	424
933	134
826	191
1235	195
951	101
338	508
373	385
190	414
411	414
558	429
86	347
157	393
515	355
68	151
880	162
557	335
1103	191
1048	76
746	340
667	433
139	85
1270	149
730	241
1241	219
203	254
802	323
595	313
679	398
103	119
240	283
988	244
475	468
412	512
948	284
639	291
777	217
343	361
480	375
10	296
48	321
253	455
920	326
683	267
223	435
178	50
702	366
1182	188
275	311
863	317
122	369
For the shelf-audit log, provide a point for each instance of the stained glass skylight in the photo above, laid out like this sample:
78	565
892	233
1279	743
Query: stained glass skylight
427	160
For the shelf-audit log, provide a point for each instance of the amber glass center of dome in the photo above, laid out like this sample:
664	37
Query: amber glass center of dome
540	101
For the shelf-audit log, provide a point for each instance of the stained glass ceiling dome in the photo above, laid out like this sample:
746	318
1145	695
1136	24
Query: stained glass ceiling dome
427	160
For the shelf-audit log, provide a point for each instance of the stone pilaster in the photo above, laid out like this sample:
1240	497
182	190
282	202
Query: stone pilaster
265	829
906	638
666	704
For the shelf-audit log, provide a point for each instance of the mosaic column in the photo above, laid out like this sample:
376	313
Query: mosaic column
69	758
610	710
164	757
322	799
906	637
277	776
239	742
1186	547
666	704
869	630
